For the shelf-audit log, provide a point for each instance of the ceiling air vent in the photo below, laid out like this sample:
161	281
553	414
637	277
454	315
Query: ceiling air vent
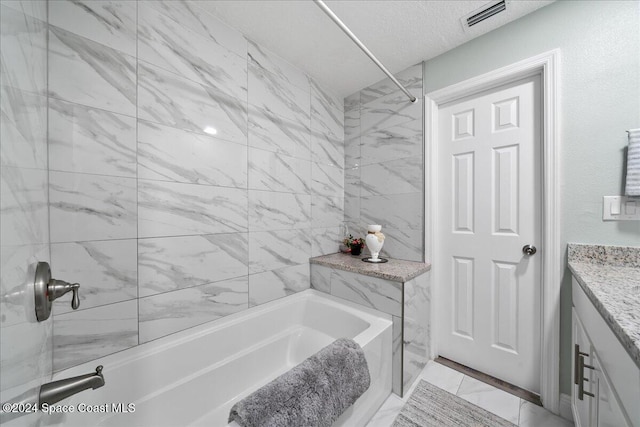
485	13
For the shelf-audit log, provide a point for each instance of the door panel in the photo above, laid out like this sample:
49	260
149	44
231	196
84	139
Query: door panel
489	194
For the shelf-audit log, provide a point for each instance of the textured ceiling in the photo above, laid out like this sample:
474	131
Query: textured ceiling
400	33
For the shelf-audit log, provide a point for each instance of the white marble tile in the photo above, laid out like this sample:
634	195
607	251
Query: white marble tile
352	195
167	98
174	209
189	14
387	413
171	263
352	182
276	96
327	180
274	284
175	311
278	211
173	45
383	295
352	102
272	133
23	51
396	366
83	335
399	211
327	114
276	172
327	150
327	211
442	376
405	244
91	207
25	354
265	60
320	278
106	271
326	241
416	332
169	154
34	9
410	78
17	270
352	138
390	111
111	23
532	415
269	250
23	129
392	143
496	401
352	209
88	73
393	177
23	206
88	140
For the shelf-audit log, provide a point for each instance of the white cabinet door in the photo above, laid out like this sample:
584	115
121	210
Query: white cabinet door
608	412
581	408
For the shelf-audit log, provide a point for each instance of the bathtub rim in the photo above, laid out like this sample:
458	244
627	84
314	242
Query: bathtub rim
377	321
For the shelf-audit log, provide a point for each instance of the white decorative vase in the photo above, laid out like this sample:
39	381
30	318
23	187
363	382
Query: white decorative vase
374	240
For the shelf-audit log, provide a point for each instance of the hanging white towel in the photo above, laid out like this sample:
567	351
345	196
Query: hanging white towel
633	164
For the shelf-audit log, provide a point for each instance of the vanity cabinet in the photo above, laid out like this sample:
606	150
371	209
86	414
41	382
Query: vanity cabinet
606	380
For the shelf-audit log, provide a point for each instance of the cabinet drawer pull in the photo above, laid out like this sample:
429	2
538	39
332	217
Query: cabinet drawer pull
576	364
582	379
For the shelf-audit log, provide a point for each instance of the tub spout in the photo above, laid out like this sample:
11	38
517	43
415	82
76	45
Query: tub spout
55	391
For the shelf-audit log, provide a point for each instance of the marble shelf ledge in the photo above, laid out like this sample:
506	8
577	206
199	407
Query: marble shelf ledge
395	270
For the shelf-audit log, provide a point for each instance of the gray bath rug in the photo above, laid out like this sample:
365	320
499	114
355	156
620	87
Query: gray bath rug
430	406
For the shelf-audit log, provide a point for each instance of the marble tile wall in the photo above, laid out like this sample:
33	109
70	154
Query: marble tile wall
409	304
417	331
26	348
192	172
384	167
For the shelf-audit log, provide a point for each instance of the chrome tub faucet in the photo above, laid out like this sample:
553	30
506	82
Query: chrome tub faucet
55	391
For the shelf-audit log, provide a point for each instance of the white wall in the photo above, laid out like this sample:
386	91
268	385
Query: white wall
599	100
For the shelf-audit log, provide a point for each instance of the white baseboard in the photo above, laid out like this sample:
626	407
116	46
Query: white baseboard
565	407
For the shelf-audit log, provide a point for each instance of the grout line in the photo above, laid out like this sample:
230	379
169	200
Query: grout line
136	177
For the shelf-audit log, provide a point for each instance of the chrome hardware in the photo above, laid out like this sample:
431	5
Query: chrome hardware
576	363
47	290
581	378
529	249
55	391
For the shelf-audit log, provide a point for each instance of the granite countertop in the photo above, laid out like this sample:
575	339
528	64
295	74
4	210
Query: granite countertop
395	270
610	276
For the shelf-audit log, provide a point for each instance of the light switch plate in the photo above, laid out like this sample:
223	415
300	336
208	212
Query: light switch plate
620	208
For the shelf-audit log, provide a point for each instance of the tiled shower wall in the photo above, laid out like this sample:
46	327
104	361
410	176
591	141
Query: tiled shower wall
26	347
384	166
163	224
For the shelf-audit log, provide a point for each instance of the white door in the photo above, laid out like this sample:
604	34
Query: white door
489	191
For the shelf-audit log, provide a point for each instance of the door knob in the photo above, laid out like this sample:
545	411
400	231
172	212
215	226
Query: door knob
529	249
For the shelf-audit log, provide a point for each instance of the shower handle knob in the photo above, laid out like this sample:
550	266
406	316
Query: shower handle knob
529	250
48	289
57	288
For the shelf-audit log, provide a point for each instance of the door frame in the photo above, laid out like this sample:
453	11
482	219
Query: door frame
547	66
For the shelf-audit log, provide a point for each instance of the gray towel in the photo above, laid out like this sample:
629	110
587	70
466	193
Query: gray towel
633	164
314	393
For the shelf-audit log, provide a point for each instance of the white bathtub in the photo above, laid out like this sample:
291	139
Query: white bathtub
194	377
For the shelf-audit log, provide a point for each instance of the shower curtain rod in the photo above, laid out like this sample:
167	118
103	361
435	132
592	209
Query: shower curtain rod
357	41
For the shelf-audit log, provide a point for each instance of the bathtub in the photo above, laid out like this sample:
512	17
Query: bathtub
193	378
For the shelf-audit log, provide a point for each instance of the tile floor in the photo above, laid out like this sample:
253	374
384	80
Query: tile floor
510	407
